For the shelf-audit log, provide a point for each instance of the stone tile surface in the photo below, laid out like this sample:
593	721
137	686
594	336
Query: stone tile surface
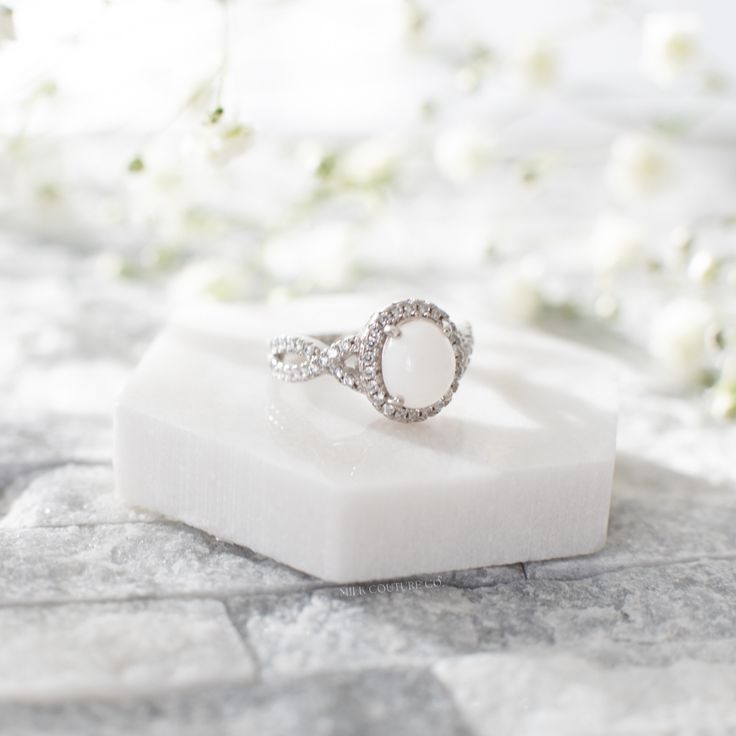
71	495
114	649
115	622
370	702
64	564
633	616
529	692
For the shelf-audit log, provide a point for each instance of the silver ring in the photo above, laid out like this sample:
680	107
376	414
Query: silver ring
407	360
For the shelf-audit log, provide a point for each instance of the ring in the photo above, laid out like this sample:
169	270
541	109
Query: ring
408	359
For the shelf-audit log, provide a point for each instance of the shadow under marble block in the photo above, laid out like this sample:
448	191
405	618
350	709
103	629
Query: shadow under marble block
517	468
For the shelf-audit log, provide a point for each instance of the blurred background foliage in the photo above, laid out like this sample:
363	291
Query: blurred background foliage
570	166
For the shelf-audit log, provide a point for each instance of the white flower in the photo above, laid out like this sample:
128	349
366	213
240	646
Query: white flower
723	399
703	267
370	163
310	154
606	306
462	153
537	62
638	166
7	26
222	141
516	292
728	369
670	45
227	141
219	140
212	278
678	246
678	335
723	402
618	243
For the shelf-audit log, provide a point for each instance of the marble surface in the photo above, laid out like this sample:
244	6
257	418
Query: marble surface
117	622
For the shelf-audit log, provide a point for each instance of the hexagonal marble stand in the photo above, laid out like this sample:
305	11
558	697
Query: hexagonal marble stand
518	467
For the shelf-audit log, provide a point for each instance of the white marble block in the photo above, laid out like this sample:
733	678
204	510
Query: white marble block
517	468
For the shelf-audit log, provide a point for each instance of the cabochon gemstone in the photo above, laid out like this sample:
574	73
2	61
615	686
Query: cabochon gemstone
419	365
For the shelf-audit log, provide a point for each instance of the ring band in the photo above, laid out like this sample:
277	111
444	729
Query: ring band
407	360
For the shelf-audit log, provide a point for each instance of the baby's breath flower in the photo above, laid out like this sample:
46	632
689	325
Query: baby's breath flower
678	338
7	25
229	142
311	155
723	401
606	306
537	61
463	153
723	396
370	163
703	267
468	79
618	243
414	19
728	368
480	59
638	166
670	45
212	278
678	246
516	291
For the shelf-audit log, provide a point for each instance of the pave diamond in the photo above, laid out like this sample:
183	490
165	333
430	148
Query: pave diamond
357	361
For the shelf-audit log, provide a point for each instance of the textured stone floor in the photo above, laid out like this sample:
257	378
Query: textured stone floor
114	621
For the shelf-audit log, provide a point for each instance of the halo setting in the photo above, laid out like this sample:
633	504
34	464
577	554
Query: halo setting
410	357
379	331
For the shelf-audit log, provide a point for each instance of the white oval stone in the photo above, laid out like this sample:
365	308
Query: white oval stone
419	365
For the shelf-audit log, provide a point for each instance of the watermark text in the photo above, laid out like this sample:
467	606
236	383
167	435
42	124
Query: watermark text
393	586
